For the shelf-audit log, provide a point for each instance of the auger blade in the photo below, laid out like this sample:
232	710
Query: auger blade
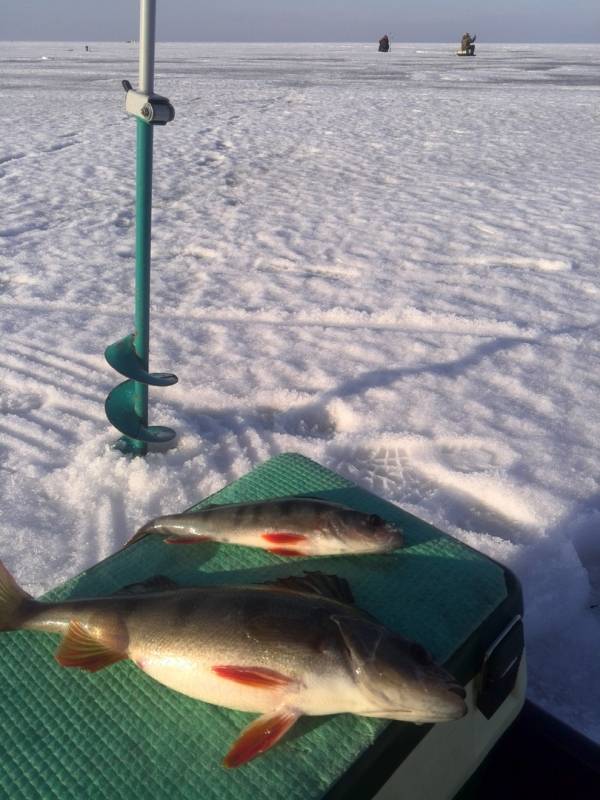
120	410
122	356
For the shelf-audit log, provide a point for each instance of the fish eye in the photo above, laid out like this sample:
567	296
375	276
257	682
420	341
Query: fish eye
375	521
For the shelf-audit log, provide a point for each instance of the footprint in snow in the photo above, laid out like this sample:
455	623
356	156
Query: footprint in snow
222	145
393	472
13	402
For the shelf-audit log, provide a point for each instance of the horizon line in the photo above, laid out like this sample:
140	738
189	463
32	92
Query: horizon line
284	41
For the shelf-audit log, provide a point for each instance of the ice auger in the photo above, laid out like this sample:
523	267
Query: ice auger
127	405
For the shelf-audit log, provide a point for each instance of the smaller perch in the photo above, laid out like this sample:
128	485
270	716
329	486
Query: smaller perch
286	526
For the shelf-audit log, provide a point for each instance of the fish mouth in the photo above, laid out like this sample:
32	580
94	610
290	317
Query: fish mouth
394	536
384	539
449	704
457	689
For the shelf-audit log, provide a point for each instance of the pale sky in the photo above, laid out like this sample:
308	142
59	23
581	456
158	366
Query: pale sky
305	20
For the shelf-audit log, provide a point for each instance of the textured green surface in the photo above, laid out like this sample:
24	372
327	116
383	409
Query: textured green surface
118	734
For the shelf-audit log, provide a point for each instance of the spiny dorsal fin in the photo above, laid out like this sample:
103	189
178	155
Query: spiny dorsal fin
80	649
157	583
325	501
317	583
267	501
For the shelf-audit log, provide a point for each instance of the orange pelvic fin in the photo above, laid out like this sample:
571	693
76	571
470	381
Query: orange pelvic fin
80	649
260	736
279	537
258	677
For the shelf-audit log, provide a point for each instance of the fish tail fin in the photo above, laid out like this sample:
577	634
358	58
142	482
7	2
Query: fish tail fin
13	601
150	527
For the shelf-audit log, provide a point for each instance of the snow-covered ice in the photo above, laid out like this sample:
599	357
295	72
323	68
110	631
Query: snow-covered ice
387	263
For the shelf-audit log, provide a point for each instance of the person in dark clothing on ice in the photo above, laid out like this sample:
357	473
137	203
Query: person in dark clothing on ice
384	44
467	44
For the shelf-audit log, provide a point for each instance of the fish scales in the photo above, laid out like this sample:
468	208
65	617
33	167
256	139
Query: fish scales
289	633
295	646
288	526
254	624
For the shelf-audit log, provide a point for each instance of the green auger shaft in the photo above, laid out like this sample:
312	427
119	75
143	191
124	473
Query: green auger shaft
143	231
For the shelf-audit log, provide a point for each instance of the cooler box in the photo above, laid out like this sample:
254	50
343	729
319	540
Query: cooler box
118	735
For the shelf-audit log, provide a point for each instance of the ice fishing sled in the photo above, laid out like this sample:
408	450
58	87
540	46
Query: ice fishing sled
464	53
69	735
538	756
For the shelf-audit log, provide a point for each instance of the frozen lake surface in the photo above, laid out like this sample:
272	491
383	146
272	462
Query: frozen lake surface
388	263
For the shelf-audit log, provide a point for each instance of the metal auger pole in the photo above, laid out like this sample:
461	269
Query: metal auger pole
127	404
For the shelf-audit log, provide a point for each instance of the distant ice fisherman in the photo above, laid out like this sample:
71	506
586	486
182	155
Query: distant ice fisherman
467	45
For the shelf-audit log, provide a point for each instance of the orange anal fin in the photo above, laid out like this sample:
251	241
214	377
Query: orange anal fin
258	677
186	539
289	552
80	649
260	736
278	537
